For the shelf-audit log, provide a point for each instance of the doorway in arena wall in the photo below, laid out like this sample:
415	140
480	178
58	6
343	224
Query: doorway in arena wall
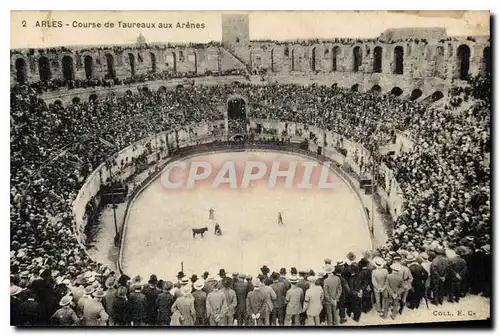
236	116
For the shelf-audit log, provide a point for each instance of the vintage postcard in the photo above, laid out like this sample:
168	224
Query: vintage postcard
216	169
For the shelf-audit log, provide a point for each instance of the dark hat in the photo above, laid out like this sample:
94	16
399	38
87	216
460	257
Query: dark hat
293	270
153	278
363	263
351	256
180	275
282	270
222	273
264	269
194	278
328	261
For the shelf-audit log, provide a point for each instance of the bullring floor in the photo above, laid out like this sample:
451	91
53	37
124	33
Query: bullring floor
317	224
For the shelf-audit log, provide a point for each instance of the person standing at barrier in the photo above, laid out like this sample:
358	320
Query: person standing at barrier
332	287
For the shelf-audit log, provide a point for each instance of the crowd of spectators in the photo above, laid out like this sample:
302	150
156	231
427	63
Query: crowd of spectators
439	241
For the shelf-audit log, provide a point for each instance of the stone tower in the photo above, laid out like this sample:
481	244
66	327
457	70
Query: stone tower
235	30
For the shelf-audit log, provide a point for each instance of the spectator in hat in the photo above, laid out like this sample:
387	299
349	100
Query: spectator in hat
294	303
65	316
332	287
458	272
241	289
256	304
313	301
216	307
94	313
87	297
407	280
426	264
231	301
120	312
270	296
184	307
200	302
109	297
364	283
379	283
419	275
440	270
210	284
164	303
138	306
283	278
16	302
304	285
279	303
394	289
151	293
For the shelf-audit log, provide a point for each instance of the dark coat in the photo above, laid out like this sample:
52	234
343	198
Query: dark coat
241	289
419	275
164	303
120	312
151	294
200	304
138	306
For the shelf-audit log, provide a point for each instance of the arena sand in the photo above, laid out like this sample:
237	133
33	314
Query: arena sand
318	224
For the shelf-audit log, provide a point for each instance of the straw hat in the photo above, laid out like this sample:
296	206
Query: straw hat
66	300
99	293
199	284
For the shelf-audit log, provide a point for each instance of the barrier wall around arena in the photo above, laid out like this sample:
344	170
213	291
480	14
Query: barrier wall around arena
173	140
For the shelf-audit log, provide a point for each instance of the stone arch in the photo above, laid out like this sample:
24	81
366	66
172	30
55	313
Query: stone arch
68	68
376	88
58	102
463	61
357	58
145	89
75	100
21	70
193	58
398	67
44	70
128	92
152	59
93	97
179	87
88	63
110	66
236	114
335	56
131	62
355	88
436	96
162	89
377	59
314	60
439	63
396	91
171	60
415	94
486	60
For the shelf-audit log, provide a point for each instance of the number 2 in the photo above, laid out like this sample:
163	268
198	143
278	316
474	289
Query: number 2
24	23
